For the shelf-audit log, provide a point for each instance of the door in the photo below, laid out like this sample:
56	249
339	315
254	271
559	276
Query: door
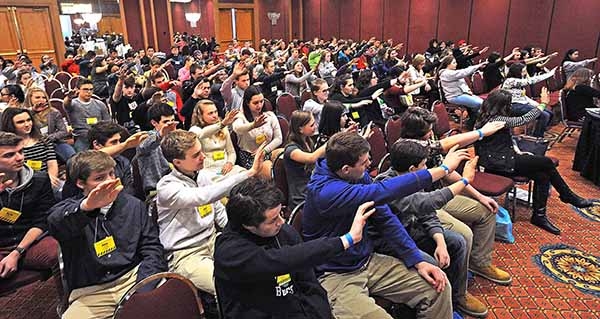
28	30
235	23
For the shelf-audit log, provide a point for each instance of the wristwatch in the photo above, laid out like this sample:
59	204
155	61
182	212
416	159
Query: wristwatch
20	250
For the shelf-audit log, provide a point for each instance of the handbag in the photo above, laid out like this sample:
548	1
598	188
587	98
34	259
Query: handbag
504	226
534	145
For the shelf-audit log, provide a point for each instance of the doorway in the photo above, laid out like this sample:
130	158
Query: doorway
235	23
29	30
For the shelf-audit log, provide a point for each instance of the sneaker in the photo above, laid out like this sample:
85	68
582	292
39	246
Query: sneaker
493	273
471	306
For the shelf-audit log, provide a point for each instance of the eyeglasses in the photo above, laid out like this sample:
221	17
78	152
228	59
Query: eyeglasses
325	90
87	89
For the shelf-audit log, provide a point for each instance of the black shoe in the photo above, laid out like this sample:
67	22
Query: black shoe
577	201
540	220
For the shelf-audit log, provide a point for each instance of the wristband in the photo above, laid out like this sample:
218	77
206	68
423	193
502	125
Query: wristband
349	239
465	181
446	168
480	132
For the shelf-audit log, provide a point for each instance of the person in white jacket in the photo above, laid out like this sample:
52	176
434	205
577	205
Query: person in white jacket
188	205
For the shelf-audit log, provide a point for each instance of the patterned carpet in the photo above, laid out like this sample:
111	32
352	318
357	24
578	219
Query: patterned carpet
533	294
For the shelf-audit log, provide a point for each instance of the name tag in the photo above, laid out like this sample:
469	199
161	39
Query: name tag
273	89
204	210
284	285
9	215
218	155
133	105
44	130
261	138
91	120
355	115
283	279
105	246
35	165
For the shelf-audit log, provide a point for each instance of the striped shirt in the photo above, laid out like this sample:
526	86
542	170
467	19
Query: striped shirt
38	155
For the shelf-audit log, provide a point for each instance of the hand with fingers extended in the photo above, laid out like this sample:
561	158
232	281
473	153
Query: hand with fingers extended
136	139
102	195
363	212
492	127
229	117
259	121
259	159
168	128
455	157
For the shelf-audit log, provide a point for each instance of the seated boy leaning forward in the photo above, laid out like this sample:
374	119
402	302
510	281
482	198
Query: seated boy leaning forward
417	212
25	197
337	187
262	267
188	207
107	238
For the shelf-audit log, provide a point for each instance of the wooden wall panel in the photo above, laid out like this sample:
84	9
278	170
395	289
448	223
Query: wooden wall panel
371	19
312	18
297	23
350	19
330	18
575	26
528	23
488	29
454	17
422	24
395	21
162	25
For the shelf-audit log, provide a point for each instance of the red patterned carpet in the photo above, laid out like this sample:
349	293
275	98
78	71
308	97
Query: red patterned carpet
532	295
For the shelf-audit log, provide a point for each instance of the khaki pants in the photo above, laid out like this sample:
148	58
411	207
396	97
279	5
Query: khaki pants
386	277
475	222
99	301
196	264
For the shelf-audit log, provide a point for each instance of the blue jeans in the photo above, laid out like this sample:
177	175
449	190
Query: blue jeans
63	151
519	109
457	270
81	143
472	103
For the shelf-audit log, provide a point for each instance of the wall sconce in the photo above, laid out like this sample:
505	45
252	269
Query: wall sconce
273	16
192	18
92	18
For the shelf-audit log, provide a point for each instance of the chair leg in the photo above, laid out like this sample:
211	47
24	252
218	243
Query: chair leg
514	204
530	194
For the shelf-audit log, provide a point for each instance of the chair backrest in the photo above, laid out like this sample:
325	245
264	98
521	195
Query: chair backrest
306	95
284	125
63	78
51	85
296	218
536	89
268	107
286	104
59	105
175	298
385	163
280	177
442	126
57	94
378	146
556	82
392	129
478	83
170	70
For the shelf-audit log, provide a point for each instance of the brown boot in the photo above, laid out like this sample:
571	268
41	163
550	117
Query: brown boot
472	306
493	273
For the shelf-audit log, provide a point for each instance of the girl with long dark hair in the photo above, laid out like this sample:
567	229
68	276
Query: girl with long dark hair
499	156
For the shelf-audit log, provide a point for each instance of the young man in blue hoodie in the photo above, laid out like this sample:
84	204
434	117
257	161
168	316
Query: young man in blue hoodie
338	186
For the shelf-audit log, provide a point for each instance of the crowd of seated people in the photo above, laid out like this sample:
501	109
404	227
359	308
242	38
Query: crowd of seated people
194	134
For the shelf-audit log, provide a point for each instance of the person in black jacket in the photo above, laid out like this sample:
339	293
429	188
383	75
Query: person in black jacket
271	80
25	197
498	155
262	267
107	238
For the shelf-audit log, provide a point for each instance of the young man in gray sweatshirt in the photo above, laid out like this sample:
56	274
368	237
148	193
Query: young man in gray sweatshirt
188	204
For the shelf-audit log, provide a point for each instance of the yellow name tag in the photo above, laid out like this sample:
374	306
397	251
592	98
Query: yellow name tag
283	279
35	165
218	155
171	166
105	246
261	139
9	215
355	115
91	120
204	210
